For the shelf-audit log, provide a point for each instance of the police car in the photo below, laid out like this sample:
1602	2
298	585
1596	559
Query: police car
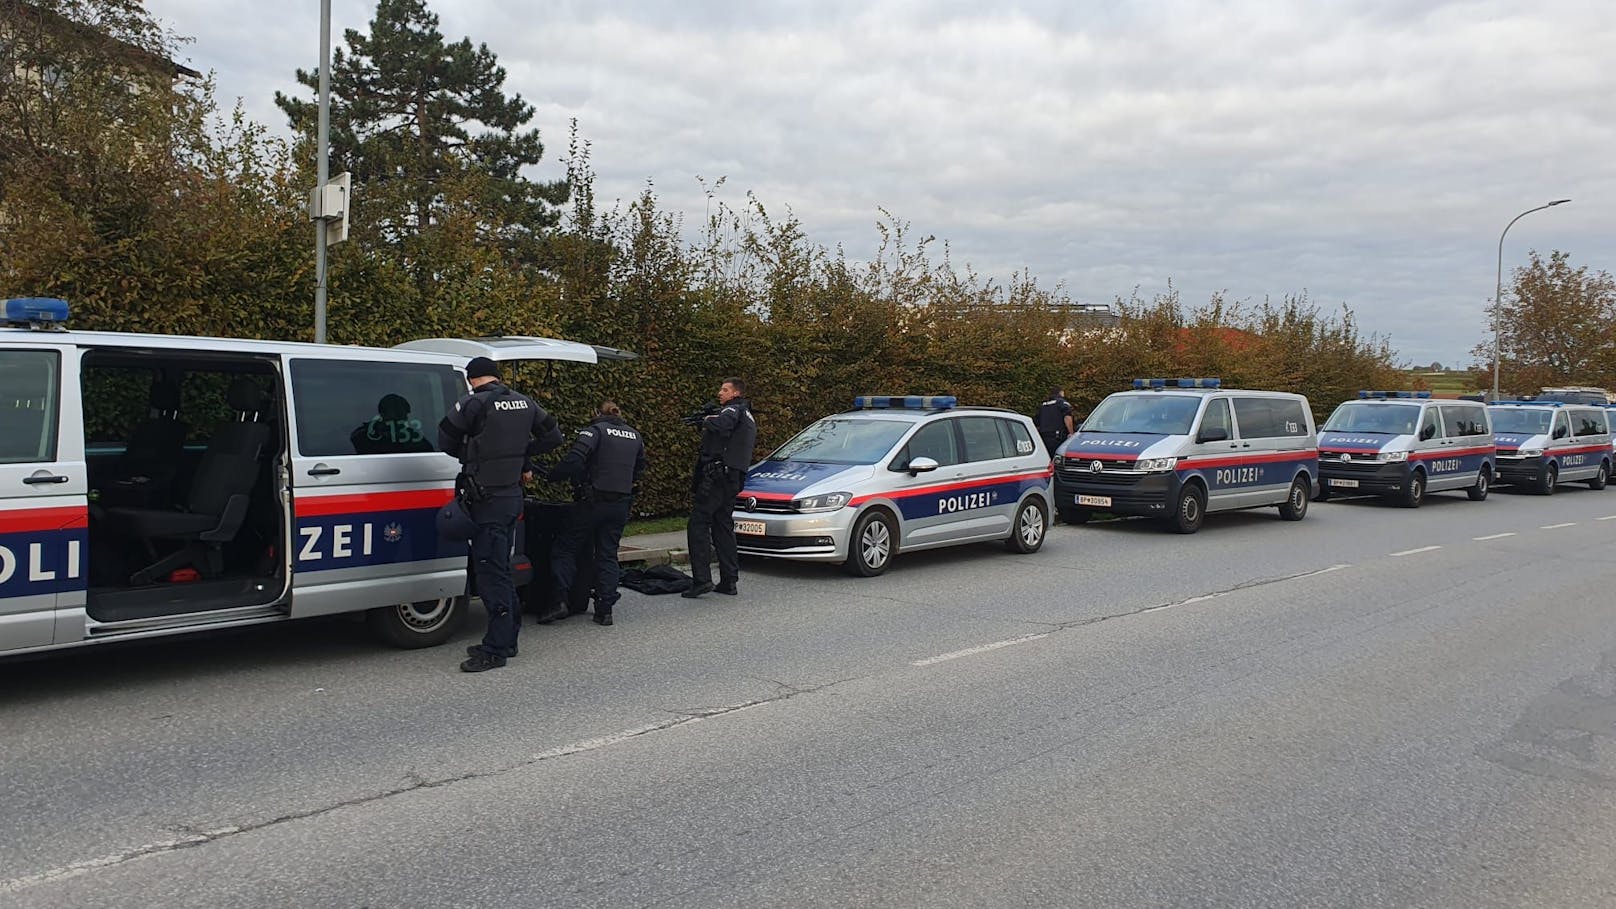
1177	449
897	474
1544	443
152	485
1403	444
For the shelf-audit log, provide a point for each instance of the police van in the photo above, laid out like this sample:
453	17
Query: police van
153	485
1403	444
1544	443
1177	449
897	474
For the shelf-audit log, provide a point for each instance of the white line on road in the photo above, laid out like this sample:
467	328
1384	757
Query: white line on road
1558	526
1608	517
1416	551
1496	536
969	651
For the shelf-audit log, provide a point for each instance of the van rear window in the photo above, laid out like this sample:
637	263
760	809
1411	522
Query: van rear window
349	407
30	381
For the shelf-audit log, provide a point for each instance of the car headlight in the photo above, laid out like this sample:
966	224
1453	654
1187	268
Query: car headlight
1392	457
830	501
1530	452
1155	465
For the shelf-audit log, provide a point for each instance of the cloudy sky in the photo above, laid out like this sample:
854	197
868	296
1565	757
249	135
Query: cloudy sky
1368	153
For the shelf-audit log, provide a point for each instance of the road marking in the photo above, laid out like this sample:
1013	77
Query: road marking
970	651
1416	551
1496	536
1608	517
1558	526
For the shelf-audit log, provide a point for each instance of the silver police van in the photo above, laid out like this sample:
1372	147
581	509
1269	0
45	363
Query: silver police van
1403	444
897	474
1177	449
153	485
1544	443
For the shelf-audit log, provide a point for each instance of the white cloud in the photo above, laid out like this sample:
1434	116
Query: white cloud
1368	152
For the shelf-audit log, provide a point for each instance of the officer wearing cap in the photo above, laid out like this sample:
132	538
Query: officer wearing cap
604	464
727	438
1055	419
494	431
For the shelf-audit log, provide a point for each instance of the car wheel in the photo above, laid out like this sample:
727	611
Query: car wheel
1075	515
1551	478
1414	492
1190	510
1294	508
1484	485
1027	533
870	548
427	623
1602	478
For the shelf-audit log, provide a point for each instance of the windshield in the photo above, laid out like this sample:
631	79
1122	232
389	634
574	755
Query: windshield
1157	414
1355	417
1519	419
836	440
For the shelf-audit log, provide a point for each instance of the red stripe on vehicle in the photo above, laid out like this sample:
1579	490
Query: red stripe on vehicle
1101	456
1277	457
415	499
952	487
26	520
767	496
1451	453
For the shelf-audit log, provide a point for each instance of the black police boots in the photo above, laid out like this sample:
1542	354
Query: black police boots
727	588
555	609
697	590
482	661
603	617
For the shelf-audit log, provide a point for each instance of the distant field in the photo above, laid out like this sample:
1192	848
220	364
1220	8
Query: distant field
1442	383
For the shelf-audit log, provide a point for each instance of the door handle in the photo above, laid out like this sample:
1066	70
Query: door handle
324	471
44	478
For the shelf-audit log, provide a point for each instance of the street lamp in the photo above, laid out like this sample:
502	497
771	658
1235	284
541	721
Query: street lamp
1498	289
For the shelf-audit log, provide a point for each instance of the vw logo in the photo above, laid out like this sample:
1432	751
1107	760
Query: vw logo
1095	467
1346	456
751	503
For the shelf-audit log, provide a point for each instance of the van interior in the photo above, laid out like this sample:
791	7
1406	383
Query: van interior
183	452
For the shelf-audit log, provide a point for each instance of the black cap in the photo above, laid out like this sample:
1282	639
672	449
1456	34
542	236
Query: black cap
481	366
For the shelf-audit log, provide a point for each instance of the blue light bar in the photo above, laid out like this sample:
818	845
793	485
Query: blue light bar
33	311
1525	403
904	402
1378	395
1157	384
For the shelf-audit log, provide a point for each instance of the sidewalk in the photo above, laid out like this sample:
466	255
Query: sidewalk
654	549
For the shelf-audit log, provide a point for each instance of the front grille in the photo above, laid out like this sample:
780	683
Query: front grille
1073	466
1354	464
1116	473
770	506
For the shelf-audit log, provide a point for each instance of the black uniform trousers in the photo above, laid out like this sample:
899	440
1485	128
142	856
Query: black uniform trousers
491	560
1052	439
601	522
712	523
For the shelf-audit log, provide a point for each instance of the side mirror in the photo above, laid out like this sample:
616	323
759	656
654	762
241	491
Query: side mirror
1428	433
1213	434
922	465
1559	432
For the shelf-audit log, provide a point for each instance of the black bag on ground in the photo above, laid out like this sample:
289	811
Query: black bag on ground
656	579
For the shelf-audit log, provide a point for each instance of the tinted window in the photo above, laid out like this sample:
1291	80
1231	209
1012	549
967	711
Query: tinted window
1589	422
1560	425
29	387
1154	414
347	407
1268	418
935	441
982	439
1431	424
842	441
1520	419
1017	437
1355	416
1217	417
1459	421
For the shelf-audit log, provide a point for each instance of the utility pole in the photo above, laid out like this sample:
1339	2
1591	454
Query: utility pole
322	170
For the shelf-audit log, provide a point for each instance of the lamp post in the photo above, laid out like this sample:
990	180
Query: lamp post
1498	289
322	156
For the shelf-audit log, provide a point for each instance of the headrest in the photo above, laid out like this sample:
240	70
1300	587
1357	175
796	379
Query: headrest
245	396
165	396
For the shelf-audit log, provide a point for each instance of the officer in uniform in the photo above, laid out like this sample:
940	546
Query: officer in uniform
604	464
1055	419
494	431
727	437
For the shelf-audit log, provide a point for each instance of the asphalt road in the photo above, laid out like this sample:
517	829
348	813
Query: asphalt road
1373	707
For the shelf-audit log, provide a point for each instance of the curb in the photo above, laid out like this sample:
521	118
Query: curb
634	555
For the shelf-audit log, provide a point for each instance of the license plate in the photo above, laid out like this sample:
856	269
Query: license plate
1345	484
750	528
1096	501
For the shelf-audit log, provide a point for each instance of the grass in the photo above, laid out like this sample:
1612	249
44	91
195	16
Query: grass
655	525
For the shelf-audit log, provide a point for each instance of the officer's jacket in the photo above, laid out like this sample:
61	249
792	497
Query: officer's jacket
1052	415
608	454
494	431
730	435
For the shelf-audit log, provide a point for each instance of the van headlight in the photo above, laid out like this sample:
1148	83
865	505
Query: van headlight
1155	465
1392	457
830	501
1530	452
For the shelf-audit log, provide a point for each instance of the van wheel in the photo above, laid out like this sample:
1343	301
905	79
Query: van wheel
1190	511
427	623
1602	478
1027	533
1414	492
870	548
1294	508
1075	515
1484	485
1551	477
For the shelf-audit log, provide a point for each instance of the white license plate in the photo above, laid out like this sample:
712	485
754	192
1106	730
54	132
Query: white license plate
751	528
1096	501
1344	484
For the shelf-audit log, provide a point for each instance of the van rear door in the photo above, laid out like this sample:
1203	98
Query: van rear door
44	486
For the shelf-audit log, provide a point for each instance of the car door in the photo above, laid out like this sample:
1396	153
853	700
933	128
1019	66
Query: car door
920	498
983	502
44	487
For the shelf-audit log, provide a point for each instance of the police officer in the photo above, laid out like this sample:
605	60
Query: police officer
727	438
604	464
494	431
1055	419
